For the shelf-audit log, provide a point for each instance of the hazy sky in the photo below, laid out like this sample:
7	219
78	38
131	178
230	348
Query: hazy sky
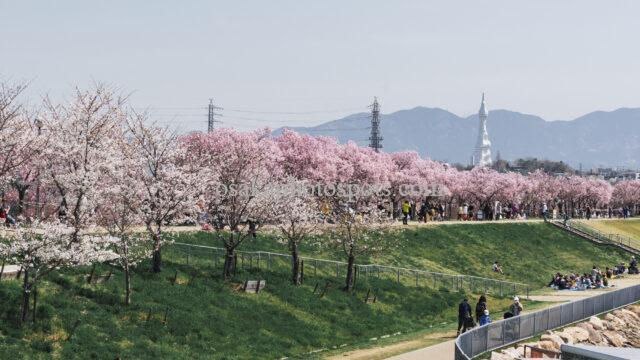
556	59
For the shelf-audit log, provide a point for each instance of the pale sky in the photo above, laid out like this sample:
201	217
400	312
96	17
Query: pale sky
326	59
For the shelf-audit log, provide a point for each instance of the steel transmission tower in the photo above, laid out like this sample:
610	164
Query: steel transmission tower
211	119
375	140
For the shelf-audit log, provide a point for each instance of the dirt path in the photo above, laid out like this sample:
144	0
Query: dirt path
444	346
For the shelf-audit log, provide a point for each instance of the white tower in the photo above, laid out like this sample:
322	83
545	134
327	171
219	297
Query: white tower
482	151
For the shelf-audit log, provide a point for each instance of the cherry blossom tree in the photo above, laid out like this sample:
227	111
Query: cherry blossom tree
167	179
83	135
295	213
18	137
626	193
363	231
122	212
236	169
43	248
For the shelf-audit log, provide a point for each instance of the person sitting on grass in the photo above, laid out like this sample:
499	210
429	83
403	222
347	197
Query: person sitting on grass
497	268
485	318
608	273
633	266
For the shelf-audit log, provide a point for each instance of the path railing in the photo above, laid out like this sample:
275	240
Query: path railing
506	332
214	256
605	237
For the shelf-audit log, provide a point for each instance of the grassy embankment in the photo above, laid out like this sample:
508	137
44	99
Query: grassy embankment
209	318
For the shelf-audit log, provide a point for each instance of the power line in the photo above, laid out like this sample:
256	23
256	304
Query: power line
294	112
183	108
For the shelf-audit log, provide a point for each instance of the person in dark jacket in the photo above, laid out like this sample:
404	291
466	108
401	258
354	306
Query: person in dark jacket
481	306
464	316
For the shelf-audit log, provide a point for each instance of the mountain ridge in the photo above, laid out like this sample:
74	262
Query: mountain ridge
598	138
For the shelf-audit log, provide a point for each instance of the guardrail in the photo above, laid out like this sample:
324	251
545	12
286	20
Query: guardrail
610	238
314	266
506	332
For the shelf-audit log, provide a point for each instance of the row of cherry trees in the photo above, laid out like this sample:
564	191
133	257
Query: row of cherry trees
92	180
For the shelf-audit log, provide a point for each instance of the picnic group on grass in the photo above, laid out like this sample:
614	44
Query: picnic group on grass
596	279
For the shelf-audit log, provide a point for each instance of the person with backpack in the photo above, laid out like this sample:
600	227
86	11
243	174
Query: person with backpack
481	306
465	320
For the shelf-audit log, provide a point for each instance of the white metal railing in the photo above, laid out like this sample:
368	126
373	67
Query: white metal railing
417	276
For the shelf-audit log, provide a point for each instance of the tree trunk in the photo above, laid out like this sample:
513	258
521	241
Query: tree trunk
296	278
229	263
22	192
393	208
157	260
25	297
350	267
127	285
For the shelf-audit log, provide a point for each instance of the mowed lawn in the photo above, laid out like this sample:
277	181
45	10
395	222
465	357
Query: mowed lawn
629	227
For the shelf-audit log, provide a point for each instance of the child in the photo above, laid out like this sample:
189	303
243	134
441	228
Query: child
485	319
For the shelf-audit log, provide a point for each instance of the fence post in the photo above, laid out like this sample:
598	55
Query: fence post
501	288
269	261
258	260
188	255
337	270
417	279
398	275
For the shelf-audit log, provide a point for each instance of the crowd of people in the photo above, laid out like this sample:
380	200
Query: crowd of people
595	279
436	211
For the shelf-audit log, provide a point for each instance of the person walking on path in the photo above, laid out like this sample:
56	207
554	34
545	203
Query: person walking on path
516	308
545	211
464	316
485	319
406	207
481	306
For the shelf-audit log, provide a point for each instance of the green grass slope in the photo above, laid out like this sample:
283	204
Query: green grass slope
529	252
210	319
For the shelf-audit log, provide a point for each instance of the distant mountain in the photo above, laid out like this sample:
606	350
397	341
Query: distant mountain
596	139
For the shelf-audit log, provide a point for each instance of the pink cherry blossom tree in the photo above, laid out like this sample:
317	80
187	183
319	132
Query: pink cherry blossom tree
236	169
626	193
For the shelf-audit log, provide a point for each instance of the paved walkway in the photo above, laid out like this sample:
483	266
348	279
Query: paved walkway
446	350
